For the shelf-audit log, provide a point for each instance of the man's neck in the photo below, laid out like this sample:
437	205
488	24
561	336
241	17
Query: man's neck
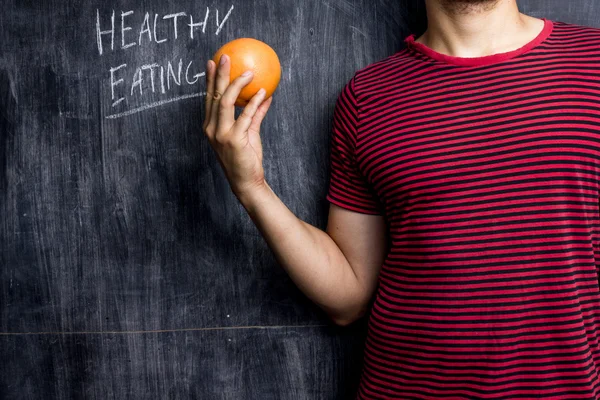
477	30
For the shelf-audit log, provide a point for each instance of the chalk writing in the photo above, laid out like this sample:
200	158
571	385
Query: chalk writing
155	104
163	79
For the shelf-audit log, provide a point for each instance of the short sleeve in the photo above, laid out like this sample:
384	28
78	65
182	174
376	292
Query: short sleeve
348	188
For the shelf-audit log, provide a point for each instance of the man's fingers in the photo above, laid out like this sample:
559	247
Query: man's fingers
245	118
210	87
221	83
227	105
221	96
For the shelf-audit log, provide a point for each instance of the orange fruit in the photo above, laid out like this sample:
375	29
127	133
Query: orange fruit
251	54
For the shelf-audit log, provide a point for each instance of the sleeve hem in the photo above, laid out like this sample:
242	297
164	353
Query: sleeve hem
352	207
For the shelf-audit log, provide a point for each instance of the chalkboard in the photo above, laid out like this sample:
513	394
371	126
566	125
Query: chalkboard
128	268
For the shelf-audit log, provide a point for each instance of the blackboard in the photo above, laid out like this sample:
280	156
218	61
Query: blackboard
128	268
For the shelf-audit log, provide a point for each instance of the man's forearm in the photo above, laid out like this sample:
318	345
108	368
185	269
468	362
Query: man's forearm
309	255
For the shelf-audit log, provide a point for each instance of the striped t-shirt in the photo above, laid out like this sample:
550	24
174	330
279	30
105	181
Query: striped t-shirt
487	171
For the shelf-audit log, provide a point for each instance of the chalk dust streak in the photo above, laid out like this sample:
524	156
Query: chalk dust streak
216	328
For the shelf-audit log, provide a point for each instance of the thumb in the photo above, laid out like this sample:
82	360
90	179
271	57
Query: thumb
260	114
254	130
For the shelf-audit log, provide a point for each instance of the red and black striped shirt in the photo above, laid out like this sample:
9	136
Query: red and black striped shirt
487	171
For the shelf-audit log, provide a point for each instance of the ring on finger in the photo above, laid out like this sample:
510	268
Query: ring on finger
217	95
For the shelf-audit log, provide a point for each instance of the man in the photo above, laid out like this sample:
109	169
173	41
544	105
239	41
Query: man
476	151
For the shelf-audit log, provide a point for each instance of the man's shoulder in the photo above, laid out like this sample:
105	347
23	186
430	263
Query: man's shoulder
574	42
390	67
572	32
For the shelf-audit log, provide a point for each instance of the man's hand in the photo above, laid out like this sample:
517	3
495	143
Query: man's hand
236	142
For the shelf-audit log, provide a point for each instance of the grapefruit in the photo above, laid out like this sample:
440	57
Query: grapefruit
252	54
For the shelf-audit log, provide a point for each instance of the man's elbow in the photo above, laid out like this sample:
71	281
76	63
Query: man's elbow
342	322
348	318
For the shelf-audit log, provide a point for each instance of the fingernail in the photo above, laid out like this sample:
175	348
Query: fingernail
262	92
247	73
223	59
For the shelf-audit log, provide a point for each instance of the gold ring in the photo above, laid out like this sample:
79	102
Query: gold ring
217	95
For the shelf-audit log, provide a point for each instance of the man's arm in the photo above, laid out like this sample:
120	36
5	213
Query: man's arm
336	269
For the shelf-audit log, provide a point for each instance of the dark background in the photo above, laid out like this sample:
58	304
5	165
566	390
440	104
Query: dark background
128	268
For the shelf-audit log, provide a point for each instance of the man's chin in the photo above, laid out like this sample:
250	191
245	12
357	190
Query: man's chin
467	6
